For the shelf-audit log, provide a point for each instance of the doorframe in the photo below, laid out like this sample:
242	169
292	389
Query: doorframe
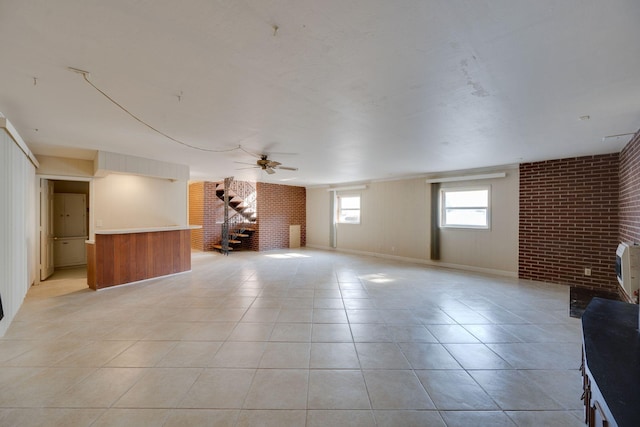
46	265
37	224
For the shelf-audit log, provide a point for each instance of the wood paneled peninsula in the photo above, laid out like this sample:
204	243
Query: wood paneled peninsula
122	256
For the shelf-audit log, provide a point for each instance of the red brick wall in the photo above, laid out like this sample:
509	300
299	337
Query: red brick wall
630	191
196	213
280	206
569	221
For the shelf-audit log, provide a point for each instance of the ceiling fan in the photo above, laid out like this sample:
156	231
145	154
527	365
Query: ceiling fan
267	165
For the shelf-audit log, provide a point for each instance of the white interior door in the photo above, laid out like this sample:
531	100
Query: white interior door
46	229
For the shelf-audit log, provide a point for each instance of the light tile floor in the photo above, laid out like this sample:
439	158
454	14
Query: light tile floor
294	338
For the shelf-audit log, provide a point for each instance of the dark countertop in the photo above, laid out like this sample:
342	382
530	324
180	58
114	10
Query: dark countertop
612	352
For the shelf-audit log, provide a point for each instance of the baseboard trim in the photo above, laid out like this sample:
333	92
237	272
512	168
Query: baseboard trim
470	268
137	282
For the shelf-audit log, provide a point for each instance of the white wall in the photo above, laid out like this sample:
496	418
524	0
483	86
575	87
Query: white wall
495	249
396	223
17	226
318	217
392	220
129	201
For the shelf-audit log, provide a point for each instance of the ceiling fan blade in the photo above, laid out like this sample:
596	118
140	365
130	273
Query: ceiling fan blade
281	153
244	163
287	168
251	153
251	167
270	171
273	164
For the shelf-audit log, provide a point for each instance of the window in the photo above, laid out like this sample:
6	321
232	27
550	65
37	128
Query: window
349	209
464	208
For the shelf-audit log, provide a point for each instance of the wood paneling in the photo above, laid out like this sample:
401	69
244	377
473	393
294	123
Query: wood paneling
126	258
140	266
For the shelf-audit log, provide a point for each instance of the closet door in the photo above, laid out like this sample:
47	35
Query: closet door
58	215
75	210
70	215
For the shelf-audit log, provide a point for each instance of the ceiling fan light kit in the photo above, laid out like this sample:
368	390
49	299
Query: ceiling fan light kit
269	166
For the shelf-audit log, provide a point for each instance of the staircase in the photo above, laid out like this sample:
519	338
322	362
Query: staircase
237	202
241	202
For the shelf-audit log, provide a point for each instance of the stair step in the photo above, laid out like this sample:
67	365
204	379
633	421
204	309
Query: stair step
235	242
219	247
240	235
220	192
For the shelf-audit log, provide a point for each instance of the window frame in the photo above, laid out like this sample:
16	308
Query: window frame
339	209
443	208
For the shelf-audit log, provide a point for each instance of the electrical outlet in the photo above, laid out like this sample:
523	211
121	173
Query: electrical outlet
587	272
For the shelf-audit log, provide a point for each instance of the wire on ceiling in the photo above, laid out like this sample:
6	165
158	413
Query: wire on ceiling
85	75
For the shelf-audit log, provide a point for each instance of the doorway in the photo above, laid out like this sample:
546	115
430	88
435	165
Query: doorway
64	225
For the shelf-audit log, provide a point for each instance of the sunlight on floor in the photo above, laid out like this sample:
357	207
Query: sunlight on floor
377	278
287	255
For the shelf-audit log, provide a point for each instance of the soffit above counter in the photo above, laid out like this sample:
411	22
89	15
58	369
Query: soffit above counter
107	162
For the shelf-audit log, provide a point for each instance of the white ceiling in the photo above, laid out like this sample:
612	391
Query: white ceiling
346	90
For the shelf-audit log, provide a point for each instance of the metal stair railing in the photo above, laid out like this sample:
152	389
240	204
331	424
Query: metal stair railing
247	193
246	216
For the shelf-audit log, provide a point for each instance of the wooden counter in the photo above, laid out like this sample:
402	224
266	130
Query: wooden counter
117	257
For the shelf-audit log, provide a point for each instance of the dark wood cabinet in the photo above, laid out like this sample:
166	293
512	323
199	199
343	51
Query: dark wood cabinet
611	364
